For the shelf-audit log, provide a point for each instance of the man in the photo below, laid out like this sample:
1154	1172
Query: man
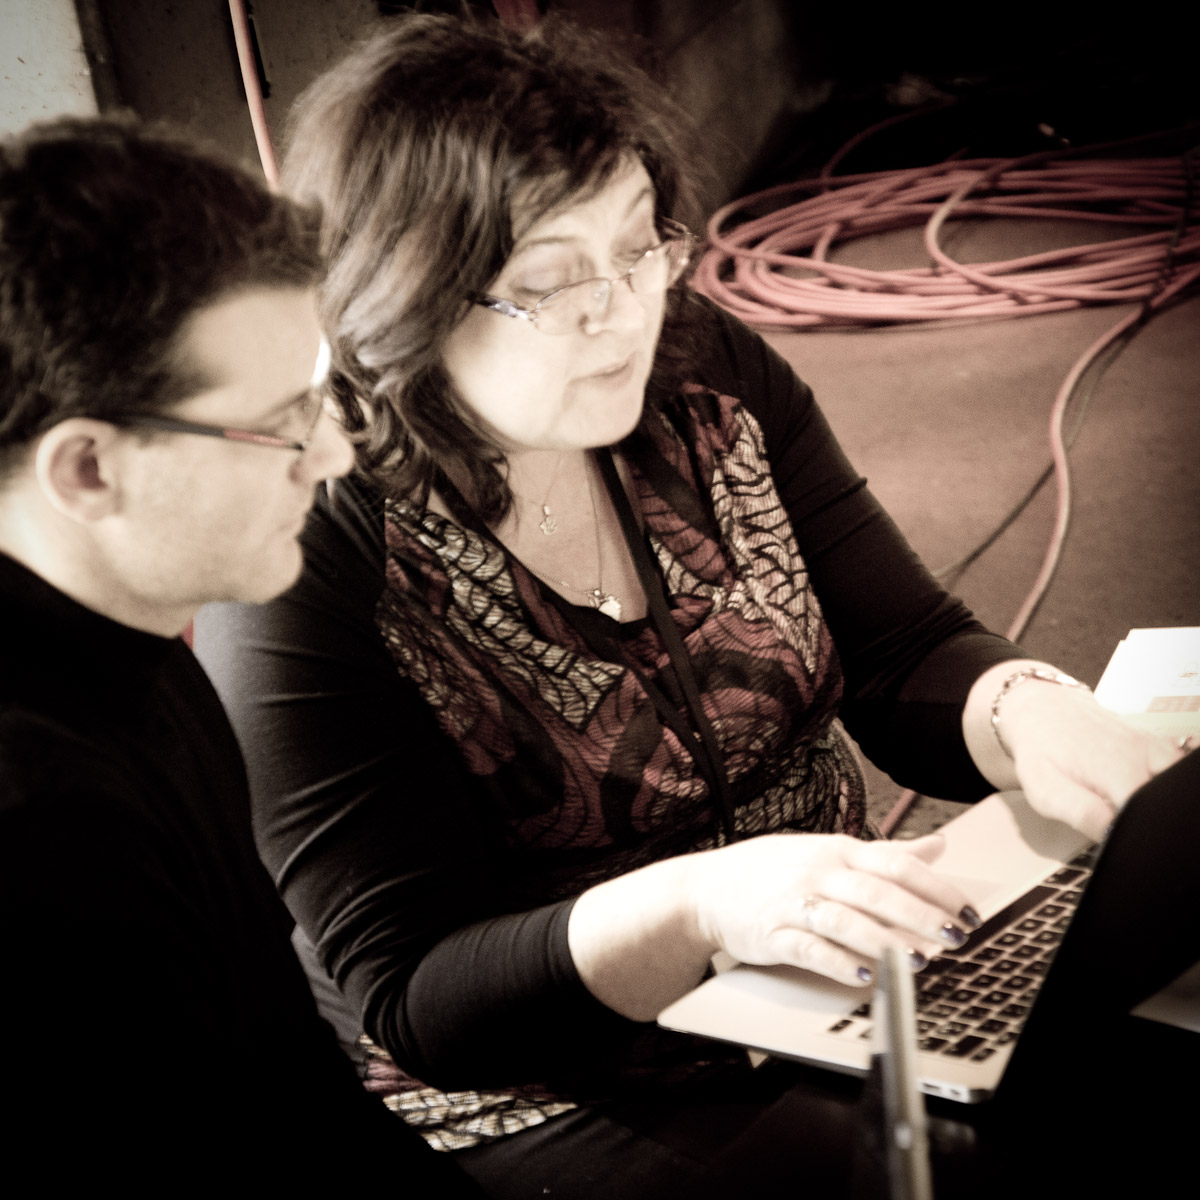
161	437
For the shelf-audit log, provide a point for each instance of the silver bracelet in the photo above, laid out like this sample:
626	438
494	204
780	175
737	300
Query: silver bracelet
1018	677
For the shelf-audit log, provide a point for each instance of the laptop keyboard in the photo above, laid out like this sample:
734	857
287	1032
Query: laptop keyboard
973	1000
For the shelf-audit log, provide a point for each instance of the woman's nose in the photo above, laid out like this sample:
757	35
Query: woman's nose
619	308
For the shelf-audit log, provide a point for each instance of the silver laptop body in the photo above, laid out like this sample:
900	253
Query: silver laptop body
998	852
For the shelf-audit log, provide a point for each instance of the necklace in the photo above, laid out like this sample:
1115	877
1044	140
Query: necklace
597	597
549	523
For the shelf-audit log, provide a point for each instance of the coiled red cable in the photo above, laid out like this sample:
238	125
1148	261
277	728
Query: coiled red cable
773	270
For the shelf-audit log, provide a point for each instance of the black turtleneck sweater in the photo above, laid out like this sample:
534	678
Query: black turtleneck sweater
155	1027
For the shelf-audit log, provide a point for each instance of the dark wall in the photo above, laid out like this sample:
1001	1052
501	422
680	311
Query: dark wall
734	63
775	86
177	59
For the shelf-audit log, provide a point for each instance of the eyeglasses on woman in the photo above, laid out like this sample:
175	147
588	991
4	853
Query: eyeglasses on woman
568	308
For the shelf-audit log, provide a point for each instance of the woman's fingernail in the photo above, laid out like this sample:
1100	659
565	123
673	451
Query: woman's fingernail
952	935
970	917
864	973
917	960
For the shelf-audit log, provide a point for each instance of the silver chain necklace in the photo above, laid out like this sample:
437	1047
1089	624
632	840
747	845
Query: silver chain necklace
597	597
549	522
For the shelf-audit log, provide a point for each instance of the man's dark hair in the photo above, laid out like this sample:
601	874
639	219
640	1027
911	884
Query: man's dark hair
112	234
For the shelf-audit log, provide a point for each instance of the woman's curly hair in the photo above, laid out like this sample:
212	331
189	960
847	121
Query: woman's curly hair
431	148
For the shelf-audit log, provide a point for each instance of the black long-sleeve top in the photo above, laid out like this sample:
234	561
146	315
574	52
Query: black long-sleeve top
389	852
156	1030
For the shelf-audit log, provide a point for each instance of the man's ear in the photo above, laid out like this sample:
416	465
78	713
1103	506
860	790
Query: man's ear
76	468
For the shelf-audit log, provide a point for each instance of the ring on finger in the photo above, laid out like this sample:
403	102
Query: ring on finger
808	910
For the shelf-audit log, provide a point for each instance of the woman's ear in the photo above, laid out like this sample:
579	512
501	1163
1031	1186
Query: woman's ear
76	468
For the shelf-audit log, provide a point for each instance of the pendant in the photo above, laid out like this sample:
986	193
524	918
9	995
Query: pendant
548	524
609	605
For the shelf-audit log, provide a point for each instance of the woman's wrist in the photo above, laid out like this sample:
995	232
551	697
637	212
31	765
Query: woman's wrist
636	941
992	754
1037	674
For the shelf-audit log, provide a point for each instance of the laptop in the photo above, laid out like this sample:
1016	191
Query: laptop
1032	969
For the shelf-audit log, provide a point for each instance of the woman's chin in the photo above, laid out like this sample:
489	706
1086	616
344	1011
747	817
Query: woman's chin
625	413
619	429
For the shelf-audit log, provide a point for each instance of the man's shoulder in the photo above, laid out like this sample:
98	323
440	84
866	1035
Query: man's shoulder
42	756
98	819
29	731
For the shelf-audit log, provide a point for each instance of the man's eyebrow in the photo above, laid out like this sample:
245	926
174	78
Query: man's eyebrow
319	375
277	410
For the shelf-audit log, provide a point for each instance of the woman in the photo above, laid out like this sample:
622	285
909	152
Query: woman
582	624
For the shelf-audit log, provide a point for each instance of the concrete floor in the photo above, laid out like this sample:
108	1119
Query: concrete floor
949	425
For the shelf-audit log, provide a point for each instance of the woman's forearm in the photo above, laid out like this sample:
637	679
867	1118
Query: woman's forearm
636	942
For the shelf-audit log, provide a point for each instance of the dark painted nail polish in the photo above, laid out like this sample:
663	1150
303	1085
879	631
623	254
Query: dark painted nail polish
864	973
917	960
952	935
970	917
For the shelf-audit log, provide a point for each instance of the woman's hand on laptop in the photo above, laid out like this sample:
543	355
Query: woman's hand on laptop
1075	761
829	903
825	902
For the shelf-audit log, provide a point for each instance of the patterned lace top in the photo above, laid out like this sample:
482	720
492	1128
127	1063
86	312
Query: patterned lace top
589	781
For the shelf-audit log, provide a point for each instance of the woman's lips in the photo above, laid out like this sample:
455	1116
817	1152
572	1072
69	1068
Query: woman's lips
616	374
